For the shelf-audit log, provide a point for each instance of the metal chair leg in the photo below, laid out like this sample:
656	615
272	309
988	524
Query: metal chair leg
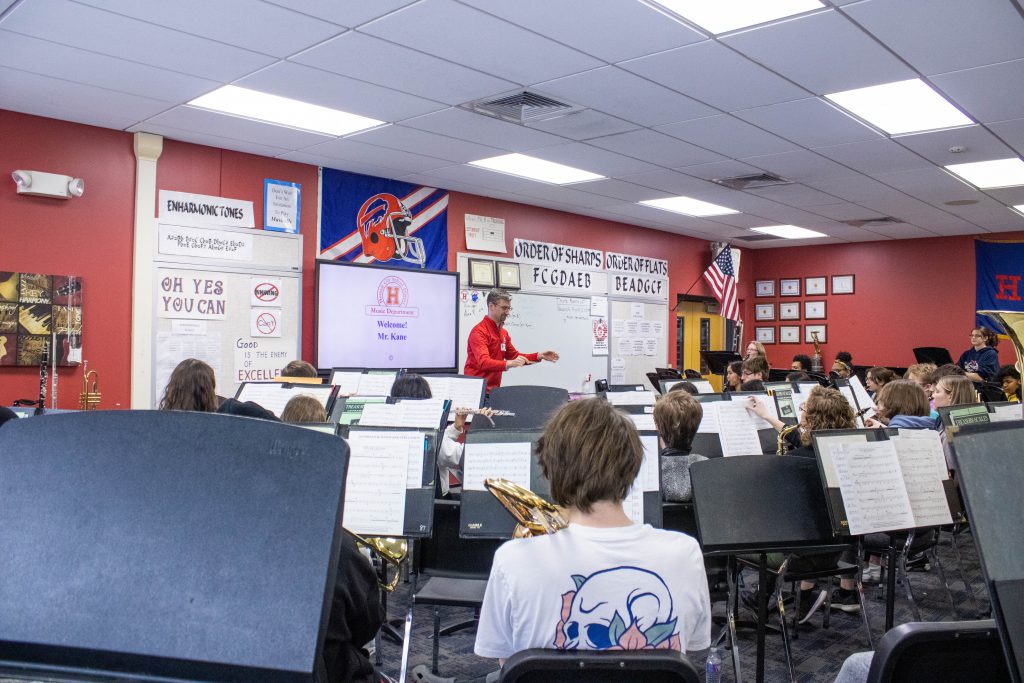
864	611
437	641
797	590
942	576
907	587
828	603
963	574
785	631
406	641
731	607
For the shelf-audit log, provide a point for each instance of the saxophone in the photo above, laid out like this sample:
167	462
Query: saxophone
816	364
781	445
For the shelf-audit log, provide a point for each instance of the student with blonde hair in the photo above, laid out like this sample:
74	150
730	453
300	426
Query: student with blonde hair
304	409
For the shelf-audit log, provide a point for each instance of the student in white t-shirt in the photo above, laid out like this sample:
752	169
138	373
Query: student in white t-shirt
603	583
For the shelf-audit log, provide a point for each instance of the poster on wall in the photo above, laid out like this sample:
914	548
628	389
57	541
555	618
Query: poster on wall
38	311
365	219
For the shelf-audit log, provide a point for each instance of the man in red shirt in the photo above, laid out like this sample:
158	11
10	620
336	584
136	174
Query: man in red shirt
490	351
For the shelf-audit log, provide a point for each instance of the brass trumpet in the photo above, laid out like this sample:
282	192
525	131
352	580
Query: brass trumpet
535	515
89	399
391	551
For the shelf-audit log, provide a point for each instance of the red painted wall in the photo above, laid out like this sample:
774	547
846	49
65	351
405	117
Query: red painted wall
908	293
88	236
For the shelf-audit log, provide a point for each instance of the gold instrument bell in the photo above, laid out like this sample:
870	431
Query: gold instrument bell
535	515
1013	327
391	551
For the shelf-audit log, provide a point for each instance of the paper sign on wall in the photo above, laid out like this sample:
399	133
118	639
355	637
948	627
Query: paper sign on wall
261	360
265	322
264	291
183	208
600	338
176	240
281	205
485	233
183	295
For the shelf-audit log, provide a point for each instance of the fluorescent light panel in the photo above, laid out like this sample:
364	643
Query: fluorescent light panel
720	16
688	206
790	232
535	169
1019	208
282	111
989	174
901	107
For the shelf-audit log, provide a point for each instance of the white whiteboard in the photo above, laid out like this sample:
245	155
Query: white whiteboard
643	327
539	322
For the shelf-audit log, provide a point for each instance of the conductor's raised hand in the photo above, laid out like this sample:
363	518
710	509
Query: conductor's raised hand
548	356
517	362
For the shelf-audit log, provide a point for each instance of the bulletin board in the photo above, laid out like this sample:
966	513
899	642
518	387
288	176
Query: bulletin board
539	322
237	308
638	342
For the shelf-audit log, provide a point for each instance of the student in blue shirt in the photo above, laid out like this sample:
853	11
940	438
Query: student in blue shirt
981	361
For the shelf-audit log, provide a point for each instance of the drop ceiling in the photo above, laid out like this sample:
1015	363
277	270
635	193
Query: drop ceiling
666	107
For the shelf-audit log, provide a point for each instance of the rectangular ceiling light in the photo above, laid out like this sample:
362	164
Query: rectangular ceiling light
1019	208
535	169
901	107
789	232
282	111
989	174
688	206
720	16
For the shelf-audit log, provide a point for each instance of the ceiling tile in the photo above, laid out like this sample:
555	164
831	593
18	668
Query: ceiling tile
467	36
728	135
480	177
583	125
795	195
484	130
824	52
303	157
801	166
70	23
350	150
620	190
843	211
860	189
1012	132
236	128
937	36
425	143
1008	196
986	93
90	68
208	140
402	68
719	169
626	95
874	156
714	74
592	159
657	148
979	144
344	13
340	92
598	33
568	196
257	26
933	185
672	182
809	122
902	231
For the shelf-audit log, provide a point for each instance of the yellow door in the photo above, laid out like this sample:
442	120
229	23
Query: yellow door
698	331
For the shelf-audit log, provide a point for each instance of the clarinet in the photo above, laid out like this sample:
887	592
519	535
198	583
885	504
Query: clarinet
44	374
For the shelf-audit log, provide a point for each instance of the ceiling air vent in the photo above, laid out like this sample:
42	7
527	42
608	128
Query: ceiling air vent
756	238
522	106
863	222
748	182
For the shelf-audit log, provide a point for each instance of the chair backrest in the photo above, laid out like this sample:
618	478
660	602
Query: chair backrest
636	666
532	406
940	651
991	393
444	553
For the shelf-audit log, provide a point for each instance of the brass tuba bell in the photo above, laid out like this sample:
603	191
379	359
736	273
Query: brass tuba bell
535	515
1013	326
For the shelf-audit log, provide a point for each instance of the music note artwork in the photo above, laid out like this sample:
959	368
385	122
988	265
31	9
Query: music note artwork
37	309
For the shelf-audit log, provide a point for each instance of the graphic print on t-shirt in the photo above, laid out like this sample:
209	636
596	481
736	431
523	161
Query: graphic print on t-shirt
622	608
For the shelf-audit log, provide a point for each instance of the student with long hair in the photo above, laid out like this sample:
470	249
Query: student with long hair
981	361
192	386
734	376
877	377
901	403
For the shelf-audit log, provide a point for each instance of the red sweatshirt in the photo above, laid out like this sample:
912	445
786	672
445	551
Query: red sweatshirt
487	351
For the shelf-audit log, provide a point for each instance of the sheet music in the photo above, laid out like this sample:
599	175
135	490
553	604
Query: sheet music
634	504
413	442
463	392
764	399
418	413
924	469
864	399
650	469
354	407
703	386
274	397
709	423
847	393
826	445
644	422
376	384
738	432
347	381
631	398
1006	413
374	491
492	460
871	482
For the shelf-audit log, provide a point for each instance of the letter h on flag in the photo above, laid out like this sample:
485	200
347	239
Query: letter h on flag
722	278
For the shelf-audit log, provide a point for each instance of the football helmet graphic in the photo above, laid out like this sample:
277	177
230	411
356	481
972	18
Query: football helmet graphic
383	223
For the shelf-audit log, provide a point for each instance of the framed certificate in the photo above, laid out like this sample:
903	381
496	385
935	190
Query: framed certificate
789	287
842	284
814	286
764	312
481	273
789	334
814	310
508	275
811	329
764	288
789	311
765	335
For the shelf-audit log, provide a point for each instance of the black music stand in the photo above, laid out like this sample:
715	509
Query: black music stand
932	354
989	458
146	544
718	361
531	405
788	514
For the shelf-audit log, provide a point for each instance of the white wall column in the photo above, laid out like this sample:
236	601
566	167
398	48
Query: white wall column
148	148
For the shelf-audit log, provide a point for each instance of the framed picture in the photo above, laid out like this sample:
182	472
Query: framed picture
789	287
508	275
764	288
814	310
811	329
814	286
481	273
765	335
789	334
764	312
842	284
789	311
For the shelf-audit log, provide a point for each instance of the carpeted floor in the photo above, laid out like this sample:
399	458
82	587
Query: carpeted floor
818	652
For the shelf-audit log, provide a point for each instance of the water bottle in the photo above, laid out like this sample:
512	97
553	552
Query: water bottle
713	667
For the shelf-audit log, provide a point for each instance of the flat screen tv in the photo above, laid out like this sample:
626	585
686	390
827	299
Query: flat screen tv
374	317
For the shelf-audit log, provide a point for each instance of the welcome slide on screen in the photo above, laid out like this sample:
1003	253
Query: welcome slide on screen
385	318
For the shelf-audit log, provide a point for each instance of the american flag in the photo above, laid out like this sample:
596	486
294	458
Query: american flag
722	278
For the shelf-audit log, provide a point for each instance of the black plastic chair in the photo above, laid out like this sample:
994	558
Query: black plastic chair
532	406
940	651
579	666
990	393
